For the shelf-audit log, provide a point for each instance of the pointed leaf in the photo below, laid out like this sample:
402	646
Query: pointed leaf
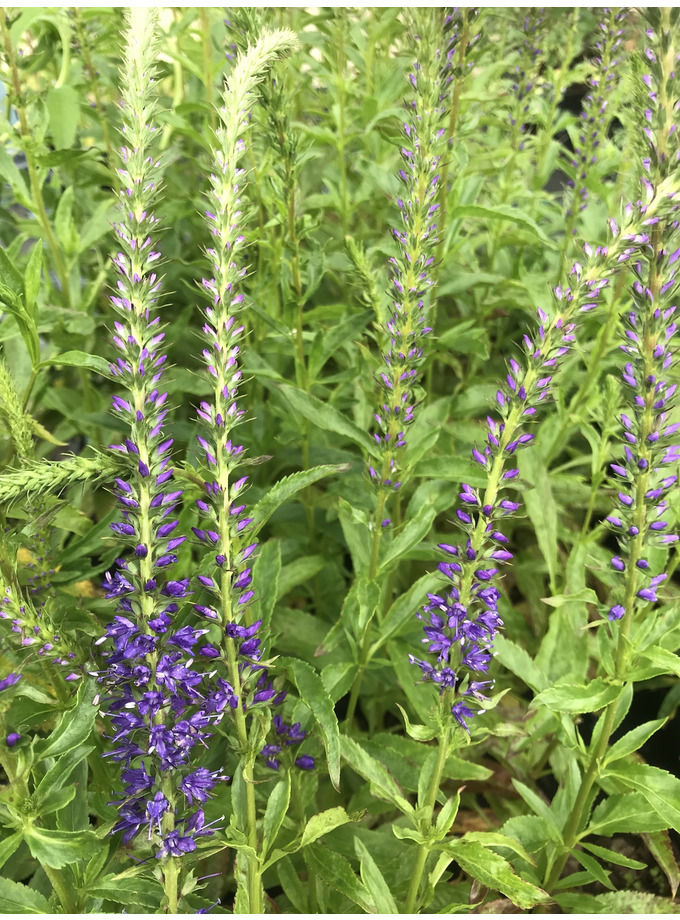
326	416
374	880
313	693
289	486
493	872
16	898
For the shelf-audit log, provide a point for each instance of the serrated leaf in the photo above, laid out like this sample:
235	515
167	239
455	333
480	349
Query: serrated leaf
327	417
374	880
501	212
32	279
633	740
618	859
593	868
625	814
8	846
79	359
285	488
16	898
277	807
60	848
323	823
412	534
379	778
313	693
75	727
494	872
520	662
337	872
660	846
660	789
573	698
497	839
266	572
129	891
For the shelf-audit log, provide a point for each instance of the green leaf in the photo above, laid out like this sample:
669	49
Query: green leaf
297	572
337	872
381	782
79	359
374	880
417	731
289	486
60	848
493	872
539	807
277	807
663	659
585	596
519	661
32	279
633	740
496	839
574	698
75	727
238	799
266	571
594	869
412	534
660	846
323	823
625	814
293	888
313	693
328	343
612	856
16	898
447	815
502	212
660	789
467	338
63	108
541	508
403	610
129	891
325	416
357	536
8	846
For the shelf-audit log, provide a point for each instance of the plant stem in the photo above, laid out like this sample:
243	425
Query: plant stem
364	655
426	824
64	890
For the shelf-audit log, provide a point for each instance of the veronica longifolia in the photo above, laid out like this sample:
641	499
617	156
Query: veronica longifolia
152	692
460	623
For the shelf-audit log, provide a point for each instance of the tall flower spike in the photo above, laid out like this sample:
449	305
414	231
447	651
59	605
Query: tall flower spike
461	622
596	115
235	654
423	146
525	72
650	438
152	692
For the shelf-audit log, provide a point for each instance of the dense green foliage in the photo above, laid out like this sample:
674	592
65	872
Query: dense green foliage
566	786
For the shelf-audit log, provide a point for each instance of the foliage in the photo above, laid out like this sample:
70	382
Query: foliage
377	609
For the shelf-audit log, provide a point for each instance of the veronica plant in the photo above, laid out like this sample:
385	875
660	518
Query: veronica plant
412	287
225	521
150	689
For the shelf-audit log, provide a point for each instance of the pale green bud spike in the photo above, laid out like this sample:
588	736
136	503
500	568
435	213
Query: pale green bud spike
18	422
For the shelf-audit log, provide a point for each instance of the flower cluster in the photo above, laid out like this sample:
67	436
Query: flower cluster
643	474
225	522
153	694
423	146
595	117
525	73
461	624
34	630
285	736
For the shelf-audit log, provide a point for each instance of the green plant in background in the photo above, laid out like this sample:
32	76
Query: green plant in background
278	706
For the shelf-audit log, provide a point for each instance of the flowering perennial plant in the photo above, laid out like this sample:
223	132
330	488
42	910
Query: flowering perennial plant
152	693
157	595
424	143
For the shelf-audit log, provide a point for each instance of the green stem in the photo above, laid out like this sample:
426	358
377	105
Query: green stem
426	824
364	655
65	890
